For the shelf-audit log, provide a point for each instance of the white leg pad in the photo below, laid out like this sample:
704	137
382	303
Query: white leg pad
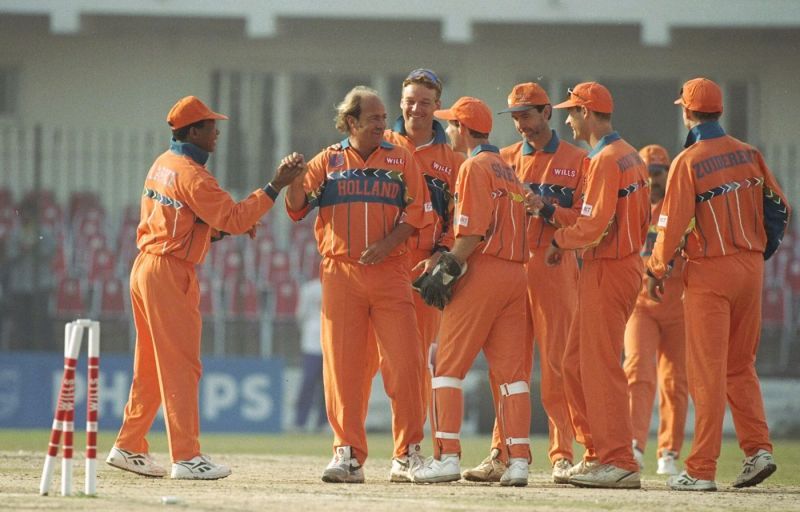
448	435
446	382
514	388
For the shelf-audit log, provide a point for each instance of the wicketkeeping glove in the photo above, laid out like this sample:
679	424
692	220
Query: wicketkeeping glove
436	286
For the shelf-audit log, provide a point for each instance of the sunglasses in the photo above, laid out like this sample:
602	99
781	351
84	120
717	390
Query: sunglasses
424	74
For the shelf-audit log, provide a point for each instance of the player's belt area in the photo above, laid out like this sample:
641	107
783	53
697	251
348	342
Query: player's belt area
725	188
561	193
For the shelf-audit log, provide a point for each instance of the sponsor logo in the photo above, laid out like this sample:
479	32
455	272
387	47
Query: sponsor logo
395	160
162	175
662	221
436	166
586	211
463	220
569	173
336	160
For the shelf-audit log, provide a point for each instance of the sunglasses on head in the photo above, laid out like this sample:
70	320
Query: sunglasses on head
425	74
572	92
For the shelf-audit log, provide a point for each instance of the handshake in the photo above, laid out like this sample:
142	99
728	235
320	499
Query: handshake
436	286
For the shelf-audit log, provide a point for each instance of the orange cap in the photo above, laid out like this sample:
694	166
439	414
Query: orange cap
591	95
655	157
524	96
471	112
701	95
189	110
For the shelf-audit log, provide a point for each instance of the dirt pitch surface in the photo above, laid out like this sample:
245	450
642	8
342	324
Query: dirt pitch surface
263	482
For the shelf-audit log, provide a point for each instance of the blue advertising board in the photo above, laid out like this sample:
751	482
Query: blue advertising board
236	394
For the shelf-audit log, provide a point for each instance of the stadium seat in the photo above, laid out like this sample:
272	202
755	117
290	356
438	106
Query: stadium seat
242	300
69	299
285	300
109	298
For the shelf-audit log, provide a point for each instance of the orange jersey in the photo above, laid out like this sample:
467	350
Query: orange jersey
616	206
490	202
673	290
183	205
361	202
439	166
555	173
724	185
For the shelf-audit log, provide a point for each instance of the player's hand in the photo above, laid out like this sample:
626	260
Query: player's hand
252	231
533	203
655	288
291	168
553	255
335	147
428	263
375	253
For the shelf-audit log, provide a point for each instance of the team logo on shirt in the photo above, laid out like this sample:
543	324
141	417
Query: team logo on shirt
429	206
569	173
336	160
395	160
662	221
586	211
463	220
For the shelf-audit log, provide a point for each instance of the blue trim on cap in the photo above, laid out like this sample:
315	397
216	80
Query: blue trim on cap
604	141
484	147
193	151
704	131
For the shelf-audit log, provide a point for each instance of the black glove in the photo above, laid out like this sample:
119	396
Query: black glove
436	286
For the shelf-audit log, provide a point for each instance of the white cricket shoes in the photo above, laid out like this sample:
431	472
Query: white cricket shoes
516	474
561	471
755	469
581	468
666	463
139	463
435	471
607	476
490	469
403	468
199	468
343	468
686	482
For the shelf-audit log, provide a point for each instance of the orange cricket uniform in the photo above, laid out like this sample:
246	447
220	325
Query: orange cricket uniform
555	173
182	207
488	307
655	351
439	165
735	201
610	231
361	202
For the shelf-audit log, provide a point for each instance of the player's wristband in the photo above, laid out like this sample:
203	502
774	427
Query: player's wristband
547	211
271	191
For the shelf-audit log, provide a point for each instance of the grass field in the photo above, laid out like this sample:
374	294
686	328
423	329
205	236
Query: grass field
282	472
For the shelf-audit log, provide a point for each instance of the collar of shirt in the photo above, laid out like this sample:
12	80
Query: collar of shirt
484	147
704	131
605	141
439	136
188	149
550	147
384	144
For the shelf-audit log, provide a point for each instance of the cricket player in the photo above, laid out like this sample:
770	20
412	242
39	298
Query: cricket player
371	198
740	215
551	169
609	233
655	350
183	210
487	311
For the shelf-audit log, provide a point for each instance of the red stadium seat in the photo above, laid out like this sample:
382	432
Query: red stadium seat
285	300
279	268
109	298
69	298
792	275
773	308
243	301
102	264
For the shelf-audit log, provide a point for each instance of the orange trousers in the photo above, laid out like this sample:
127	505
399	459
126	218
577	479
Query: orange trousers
594	382
722	305
165	299
487	312
353	297
552	294
655	352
